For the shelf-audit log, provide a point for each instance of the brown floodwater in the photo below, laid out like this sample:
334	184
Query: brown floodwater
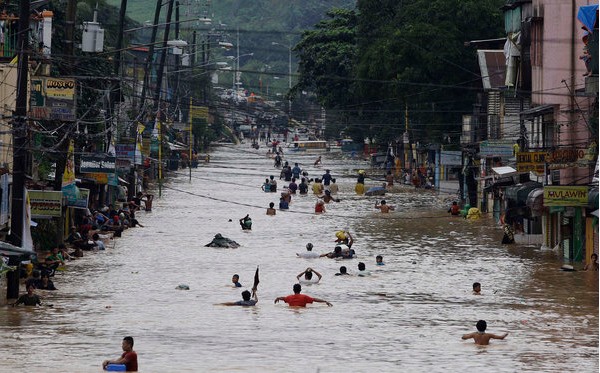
408	316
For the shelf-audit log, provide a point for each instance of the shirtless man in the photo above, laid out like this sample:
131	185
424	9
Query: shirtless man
476	288
271	210
481	337
385	208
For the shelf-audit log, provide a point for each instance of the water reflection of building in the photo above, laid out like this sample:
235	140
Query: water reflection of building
529	148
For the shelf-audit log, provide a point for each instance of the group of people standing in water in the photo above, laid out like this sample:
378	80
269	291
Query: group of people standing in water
326	190
296	181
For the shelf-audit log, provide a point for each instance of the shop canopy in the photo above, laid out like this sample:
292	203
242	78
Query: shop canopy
535	200
504	171
12	250
520	192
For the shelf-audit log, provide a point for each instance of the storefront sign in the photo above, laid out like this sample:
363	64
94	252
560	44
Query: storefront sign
53	99
81	201
531	161
129	152
97	163
450	158
496	148
99	177
567	158
45	203
565	196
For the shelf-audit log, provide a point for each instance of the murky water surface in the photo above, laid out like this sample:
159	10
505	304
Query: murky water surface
408	316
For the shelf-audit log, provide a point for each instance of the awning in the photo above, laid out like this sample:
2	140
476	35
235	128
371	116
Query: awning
174	146
12	250
595	213
537	111
504	171
593	199
520	192
535	200
501	182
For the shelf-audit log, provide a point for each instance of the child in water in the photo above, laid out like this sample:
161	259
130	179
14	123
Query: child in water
379	260
481	337
235	279
476	288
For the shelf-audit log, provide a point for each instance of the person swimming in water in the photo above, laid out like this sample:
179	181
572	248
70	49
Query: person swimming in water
476	288
235	279
384	207
481	337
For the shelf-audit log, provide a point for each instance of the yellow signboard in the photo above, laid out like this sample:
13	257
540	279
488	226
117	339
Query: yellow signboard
531	161
199	112
60	88
45	203
100	177
566	196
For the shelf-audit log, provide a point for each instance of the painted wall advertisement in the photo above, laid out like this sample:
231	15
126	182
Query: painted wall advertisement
45	203
565	196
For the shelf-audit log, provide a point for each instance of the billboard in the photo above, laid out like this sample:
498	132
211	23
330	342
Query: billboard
45	203
53	99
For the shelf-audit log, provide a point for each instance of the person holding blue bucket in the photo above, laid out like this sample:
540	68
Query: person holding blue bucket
127	361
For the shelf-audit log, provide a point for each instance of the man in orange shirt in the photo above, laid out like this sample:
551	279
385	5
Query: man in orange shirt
300	300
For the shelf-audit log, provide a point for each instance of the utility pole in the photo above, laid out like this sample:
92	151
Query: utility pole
117	60
19	148
69	32
157	92
177	59
150	54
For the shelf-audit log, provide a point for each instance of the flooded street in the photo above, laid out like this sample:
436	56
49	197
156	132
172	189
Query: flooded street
407	317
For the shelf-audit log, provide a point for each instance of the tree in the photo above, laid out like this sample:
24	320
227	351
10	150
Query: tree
326	67
412	53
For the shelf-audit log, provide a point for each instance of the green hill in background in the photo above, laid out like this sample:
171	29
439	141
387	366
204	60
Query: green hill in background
276	16
260	24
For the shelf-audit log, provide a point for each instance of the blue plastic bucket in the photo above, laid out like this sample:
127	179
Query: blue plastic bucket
116	368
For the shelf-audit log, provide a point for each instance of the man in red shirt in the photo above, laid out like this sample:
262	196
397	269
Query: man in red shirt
300	300
129	357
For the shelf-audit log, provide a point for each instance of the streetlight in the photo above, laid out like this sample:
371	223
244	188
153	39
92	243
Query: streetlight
289	47
236	62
